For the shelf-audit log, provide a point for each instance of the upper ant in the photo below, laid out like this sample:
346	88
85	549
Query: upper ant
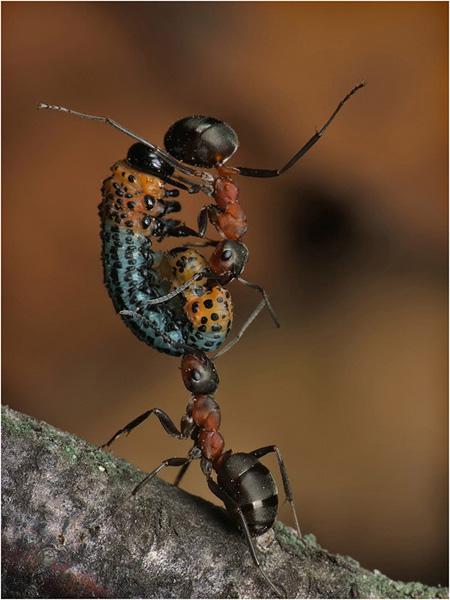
134	208
243	483
205	143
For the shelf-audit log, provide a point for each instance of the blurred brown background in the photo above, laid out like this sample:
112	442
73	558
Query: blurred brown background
351	245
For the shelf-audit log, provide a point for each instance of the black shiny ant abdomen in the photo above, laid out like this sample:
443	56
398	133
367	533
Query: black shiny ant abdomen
251	487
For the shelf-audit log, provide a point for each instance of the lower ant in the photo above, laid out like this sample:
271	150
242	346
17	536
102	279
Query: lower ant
243	483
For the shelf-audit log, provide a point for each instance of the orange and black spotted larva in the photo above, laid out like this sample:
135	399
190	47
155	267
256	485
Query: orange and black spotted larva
133	213
135	208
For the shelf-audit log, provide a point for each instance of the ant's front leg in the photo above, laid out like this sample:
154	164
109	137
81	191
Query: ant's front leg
210	213
187	426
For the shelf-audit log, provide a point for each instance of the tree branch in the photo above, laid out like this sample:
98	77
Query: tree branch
62	536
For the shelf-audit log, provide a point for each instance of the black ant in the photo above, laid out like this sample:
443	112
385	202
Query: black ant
243	483
206	143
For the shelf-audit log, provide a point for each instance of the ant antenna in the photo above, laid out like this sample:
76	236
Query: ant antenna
303	150
167	157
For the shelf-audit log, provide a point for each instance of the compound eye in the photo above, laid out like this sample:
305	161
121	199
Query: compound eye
196	375
142	158
229	259
199	374
201	141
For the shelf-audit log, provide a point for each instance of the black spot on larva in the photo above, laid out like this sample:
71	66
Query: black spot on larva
204	319
202	328
195	306
209	344
123	173
216	328
214	317
208	303
128	196
227	294
219	299
131	178
130	204
119	193
146	221
128	223
124	215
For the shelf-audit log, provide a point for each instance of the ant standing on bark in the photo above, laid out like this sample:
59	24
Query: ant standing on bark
243	483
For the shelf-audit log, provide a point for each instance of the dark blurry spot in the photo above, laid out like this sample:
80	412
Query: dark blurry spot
323	229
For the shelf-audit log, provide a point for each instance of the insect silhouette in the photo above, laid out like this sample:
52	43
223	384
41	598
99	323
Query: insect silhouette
135	209
243	483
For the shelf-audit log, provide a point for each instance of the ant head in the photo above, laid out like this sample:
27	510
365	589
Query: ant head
198	373
229	259
201	141
142	158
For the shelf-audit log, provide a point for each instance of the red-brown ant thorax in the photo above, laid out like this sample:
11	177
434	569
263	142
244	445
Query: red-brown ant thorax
211	444
226	192
206	412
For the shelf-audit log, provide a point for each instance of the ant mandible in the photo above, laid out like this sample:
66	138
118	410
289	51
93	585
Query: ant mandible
243	483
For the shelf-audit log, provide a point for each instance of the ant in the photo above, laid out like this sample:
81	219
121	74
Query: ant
206	143
243	483
135	209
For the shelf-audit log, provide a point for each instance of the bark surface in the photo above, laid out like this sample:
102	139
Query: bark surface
64	537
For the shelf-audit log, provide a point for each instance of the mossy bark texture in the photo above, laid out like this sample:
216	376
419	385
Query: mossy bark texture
66	534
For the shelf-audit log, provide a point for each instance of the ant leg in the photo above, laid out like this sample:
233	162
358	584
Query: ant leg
165	421
287	486
275	172
242	331
261	290
202	220
170	462
159	151
181	231
229	502
172	294
181	474
252	317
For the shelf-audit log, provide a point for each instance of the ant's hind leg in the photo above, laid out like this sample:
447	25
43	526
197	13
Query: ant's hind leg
287	486
170	462
229	502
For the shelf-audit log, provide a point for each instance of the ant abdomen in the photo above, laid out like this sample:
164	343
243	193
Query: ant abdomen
250	487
